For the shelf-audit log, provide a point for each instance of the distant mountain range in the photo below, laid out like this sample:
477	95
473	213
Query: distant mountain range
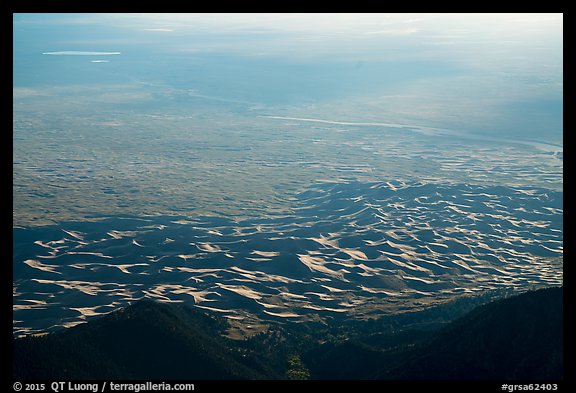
519	337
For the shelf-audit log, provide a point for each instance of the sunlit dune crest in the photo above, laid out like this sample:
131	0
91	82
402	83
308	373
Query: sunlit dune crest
41	266
241	290
87	311
76	235
96	254
88	288
206	247
268	254
72	324
120	234
325	241
317	264
125	268
331	289
282	315
186	256
356	254
213	309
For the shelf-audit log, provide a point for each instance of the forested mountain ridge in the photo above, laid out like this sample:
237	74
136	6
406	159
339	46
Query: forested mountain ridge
520	337
516	338
147	340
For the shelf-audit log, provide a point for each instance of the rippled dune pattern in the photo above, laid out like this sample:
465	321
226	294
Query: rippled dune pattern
352	250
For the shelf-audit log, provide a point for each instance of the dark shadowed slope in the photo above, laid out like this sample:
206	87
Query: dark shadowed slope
516	338
520	337
147	340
